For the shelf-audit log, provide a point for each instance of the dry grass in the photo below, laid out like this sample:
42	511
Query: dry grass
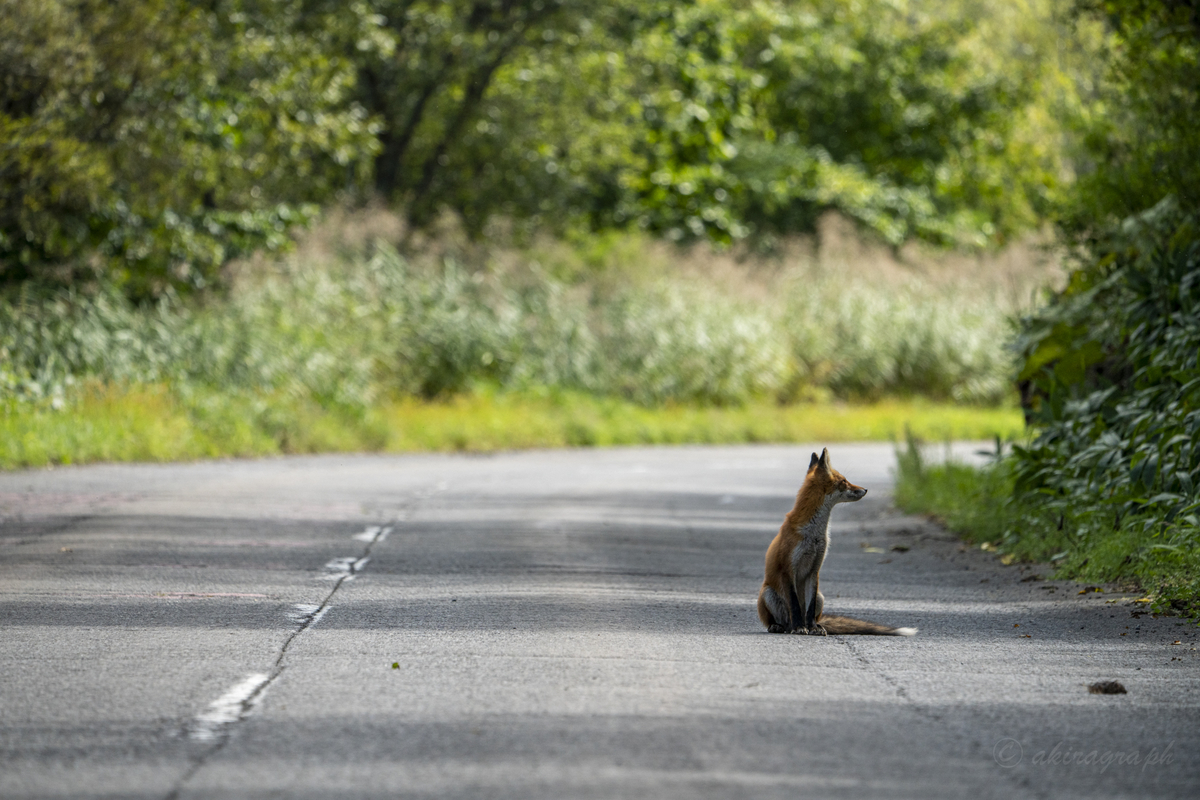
1012	278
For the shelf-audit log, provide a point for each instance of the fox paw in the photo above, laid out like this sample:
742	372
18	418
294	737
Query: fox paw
818	630
775	628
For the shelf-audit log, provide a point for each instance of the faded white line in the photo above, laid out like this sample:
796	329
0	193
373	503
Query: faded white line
306	614
339	568
346	567
368	535
373	534
230	707
302	612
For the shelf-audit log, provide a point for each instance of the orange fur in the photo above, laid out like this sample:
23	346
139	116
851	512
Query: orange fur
790	600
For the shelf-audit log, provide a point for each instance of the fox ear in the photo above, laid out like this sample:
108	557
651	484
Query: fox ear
812	462
823	461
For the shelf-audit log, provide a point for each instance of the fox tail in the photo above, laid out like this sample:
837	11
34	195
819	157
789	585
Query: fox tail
848	625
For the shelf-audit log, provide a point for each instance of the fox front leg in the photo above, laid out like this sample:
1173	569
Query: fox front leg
814	605
795	619
772	611
798	611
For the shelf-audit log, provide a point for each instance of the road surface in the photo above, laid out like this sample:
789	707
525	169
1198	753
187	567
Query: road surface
571	624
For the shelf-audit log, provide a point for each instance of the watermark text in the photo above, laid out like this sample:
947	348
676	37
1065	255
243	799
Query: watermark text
1009	753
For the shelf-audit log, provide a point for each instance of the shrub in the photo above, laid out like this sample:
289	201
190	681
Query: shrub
344	331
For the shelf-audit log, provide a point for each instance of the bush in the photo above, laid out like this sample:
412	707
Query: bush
346	331
1107	489
1111	373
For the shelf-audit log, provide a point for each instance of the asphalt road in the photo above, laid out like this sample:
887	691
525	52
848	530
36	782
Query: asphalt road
549	624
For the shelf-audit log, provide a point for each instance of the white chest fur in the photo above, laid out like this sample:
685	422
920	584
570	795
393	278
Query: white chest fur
809	553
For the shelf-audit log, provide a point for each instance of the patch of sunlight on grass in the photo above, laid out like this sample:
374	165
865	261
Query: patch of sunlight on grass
482	422
157	423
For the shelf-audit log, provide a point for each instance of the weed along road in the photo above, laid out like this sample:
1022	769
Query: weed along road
549	624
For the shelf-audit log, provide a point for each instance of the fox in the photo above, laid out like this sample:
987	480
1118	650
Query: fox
790	600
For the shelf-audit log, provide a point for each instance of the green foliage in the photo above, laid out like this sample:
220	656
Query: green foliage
1138	136
1112	371
975	502
1109	370
1077	536
158	423
911	340
436	328
158	138
155	423
717	118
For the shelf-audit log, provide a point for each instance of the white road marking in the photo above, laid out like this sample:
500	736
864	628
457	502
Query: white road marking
240	700
339	568
368	535
346	567
302	612
373	534
230	707
307	614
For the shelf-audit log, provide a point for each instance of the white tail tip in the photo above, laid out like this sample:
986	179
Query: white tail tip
905	632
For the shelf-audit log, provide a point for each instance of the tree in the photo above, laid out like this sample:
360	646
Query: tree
157	139
714	118
1140	141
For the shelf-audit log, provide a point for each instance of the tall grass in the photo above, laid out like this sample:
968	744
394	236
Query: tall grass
1080	538
344	326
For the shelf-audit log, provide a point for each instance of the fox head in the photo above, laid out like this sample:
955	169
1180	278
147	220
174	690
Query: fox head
831	482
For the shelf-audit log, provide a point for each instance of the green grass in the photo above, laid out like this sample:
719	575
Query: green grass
345	326
980	505
155	423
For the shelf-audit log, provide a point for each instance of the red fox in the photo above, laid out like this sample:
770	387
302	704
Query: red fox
789	601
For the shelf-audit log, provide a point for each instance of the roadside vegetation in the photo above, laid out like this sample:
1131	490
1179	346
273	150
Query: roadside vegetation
1107	486
458	346
154	423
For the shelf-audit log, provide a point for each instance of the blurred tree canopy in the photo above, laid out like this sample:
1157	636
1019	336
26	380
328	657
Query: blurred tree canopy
1110	368
160	139
157	139
1140	139
720	118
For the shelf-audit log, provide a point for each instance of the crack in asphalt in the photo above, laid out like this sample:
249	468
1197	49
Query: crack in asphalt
929	714
234	706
